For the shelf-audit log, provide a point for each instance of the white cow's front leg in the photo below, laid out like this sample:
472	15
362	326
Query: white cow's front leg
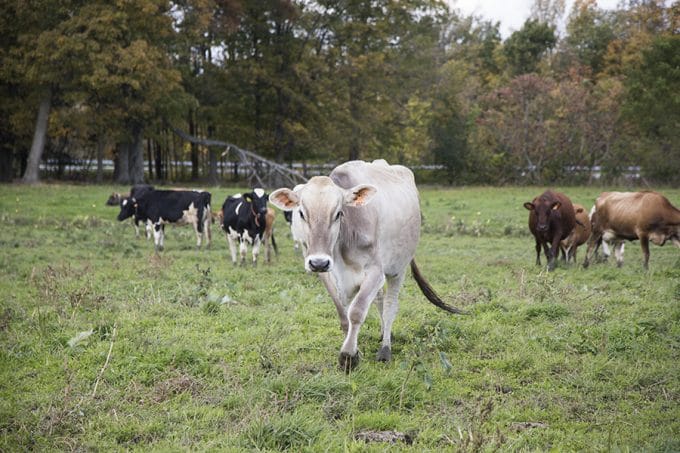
389	313
356	314
337	298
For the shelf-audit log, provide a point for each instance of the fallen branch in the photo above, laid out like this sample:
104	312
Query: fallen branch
271	169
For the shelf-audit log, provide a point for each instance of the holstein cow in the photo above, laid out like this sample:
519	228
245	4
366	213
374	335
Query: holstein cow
135	192
359	229
551	219
245	221
179	207
647	216
578	236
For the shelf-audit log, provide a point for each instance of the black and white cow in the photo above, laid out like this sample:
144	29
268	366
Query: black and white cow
136	192
245	221
179	207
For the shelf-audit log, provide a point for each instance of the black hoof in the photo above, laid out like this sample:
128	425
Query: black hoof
384	354
347	362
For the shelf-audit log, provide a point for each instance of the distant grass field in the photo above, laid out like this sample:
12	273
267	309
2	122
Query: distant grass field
105	345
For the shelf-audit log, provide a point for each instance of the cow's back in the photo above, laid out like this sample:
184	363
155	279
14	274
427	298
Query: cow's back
391	220
630	213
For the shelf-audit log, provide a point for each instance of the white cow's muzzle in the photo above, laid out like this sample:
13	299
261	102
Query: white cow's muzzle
318	263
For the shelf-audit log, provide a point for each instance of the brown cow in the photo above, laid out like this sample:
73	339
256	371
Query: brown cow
268	236
551	219
633	215
579	235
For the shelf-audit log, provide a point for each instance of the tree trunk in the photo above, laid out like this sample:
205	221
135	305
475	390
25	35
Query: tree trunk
6	163
158	160
122	172
194	148
149	157
212	160
101	147
32	174
137	156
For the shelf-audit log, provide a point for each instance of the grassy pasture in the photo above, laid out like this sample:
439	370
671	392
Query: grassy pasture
105	345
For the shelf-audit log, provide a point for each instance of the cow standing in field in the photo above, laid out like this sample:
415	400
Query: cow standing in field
268	236
136	192
578	236
294	222
359	229
551	219
244	222
179	207
647	216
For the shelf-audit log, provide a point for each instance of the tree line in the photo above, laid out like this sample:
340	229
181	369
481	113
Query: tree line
411	81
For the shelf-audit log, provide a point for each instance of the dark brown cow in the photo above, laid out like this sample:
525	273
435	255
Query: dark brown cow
551	219
647	216
578	236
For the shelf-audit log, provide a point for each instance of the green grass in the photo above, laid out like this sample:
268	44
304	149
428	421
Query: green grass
205	356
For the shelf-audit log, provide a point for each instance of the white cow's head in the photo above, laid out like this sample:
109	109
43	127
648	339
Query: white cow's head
317	214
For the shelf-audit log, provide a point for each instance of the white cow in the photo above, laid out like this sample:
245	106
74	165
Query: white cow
359	229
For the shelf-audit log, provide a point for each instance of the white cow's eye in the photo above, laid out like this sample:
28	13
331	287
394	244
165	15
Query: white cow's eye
302	216
338	215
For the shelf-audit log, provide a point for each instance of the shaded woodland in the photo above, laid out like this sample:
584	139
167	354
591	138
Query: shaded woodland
319	82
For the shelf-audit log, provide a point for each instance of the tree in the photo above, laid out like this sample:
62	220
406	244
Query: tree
653	104
516	121
589	33
525	47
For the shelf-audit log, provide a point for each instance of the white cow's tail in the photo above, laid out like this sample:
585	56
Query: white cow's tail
429	292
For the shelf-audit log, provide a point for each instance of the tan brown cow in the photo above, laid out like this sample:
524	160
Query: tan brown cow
268	236
578	236
551	219
647	216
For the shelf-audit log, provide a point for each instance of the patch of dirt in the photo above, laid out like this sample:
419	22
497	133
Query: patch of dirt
522	426
176	385
390	437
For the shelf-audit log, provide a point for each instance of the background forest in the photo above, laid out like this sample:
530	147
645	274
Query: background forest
411	81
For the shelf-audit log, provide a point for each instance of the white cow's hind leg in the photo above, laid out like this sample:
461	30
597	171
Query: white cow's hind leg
378	302
389	313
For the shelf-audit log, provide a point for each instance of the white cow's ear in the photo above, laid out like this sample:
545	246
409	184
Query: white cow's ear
360	195
284	199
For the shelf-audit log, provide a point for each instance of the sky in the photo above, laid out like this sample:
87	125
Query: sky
510	13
